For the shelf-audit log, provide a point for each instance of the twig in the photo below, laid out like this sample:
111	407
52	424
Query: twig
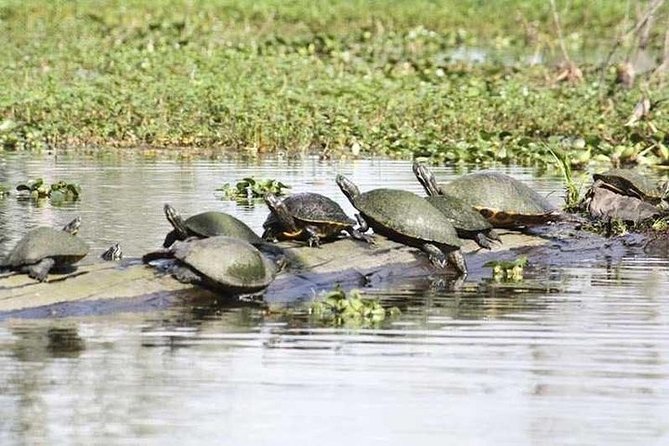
556	20
653	6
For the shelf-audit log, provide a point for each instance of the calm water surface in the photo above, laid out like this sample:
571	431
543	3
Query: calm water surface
587	364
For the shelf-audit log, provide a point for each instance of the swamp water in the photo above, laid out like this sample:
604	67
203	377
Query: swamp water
587	363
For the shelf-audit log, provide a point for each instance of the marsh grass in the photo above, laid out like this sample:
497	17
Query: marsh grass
332	78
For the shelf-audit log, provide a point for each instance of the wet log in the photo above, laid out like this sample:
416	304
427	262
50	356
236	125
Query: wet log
131	286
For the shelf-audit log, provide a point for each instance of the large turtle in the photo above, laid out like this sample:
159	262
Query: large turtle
407	218
220	263
46	248
207	224
504	201
307	216
466	220
631	183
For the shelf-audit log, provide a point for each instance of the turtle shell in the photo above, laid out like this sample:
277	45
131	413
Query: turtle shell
45	242
462	215
407	215
501	199
315	209
630	182
234	265
212	223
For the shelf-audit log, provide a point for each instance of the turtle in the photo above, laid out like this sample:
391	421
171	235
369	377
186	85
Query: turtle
603	203
502	200
207	224
467	222
220	263
113	253
407	218
308	216
44	248
631	183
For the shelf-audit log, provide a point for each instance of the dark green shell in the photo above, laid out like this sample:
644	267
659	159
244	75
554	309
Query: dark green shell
45	242
501	199
463	216
408	215
314	209
630	182
233	264
212	223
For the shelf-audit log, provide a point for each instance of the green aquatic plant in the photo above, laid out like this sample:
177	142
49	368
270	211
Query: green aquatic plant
340	308
60	191
251	188
572	199
4	190
507	270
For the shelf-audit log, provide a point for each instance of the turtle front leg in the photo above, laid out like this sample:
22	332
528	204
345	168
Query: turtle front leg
185	275
363	226
40	271
482	240
356	234
457	260
436	256
314	240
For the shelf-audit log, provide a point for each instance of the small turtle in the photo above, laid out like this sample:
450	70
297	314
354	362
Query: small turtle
631	183
222	264
407	218
112	254
45	248
308	216
207	224
605	204
466	220
504	201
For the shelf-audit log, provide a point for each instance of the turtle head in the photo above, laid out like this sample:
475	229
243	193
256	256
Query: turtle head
73	226
176	221
281	212
426	178
348	187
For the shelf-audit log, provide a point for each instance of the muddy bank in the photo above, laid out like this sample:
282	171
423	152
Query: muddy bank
131	286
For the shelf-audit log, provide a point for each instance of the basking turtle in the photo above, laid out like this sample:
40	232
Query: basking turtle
605	204
220	263
631	183
207	224
504	201
465	219
307	216
407	218
45	248
113	253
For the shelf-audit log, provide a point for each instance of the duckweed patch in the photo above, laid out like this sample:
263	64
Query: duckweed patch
351	309
251	188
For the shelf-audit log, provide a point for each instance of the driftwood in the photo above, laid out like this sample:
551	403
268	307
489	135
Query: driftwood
131	286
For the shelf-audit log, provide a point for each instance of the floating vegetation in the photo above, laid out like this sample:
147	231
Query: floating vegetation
4	190
339	308
507	270
250	188
57	192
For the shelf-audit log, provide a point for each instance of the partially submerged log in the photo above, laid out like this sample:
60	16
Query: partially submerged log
131	286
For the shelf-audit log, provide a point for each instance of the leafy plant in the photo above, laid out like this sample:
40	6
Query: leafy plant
507	270
57	192
339	308
250	188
